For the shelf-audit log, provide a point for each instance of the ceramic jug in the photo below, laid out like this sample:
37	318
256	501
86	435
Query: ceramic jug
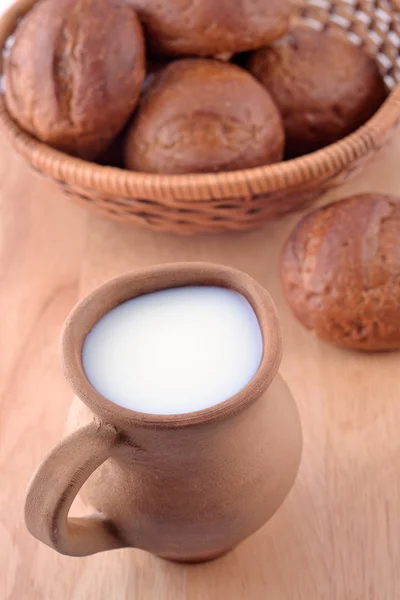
186	487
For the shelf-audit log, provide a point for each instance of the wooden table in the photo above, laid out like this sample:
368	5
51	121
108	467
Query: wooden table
337	535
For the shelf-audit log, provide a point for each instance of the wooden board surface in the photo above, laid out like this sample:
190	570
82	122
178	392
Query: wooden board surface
337	535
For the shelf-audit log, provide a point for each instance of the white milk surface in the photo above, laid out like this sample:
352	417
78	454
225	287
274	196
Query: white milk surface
174	351
4	4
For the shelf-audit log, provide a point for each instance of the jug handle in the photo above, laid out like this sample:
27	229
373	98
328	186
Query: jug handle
55	485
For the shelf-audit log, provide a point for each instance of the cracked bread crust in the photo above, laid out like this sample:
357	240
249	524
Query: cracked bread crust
324	86
208	27
200	115
71	81
340	271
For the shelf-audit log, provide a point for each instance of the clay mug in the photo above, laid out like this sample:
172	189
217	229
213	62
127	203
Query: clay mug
186	487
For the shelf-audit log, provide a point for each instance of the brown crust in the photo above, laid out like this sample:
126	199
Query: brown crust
70	81
341	272
325	87
201	115
208	27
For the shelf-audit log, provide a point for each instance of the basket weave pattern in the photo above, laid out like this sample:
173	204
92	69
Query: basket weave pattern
237	200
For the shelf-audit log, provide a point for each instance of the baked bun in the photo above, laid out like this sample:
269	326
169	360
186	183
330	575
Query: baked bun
201	115
325	87
207	27
341	272
71	81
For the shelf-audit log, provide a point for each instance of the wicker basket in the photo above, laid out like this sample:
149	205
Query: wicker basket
237	200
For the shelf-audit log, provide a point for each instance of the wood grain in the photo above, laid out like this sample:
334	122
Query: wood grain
337	535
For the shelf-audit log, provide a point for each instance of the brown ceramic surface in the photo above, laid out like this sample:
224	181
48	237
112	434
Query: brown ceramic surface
186	487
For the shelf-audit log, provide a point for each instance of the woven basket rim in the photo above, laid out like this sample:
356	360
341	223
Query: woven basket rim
196	187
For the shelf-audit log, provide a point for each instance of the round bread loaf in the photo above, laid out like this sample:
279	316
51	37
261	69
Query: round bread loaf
74	73
325	87
207	27
201	115
341	272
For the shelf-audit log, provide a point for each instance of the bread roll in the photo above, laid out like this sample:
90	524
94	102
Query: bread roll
325	87
74	73
201	115
341	272
208	27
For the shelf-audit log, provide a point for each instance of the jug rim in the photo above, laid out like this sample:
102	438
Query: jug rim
136	283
